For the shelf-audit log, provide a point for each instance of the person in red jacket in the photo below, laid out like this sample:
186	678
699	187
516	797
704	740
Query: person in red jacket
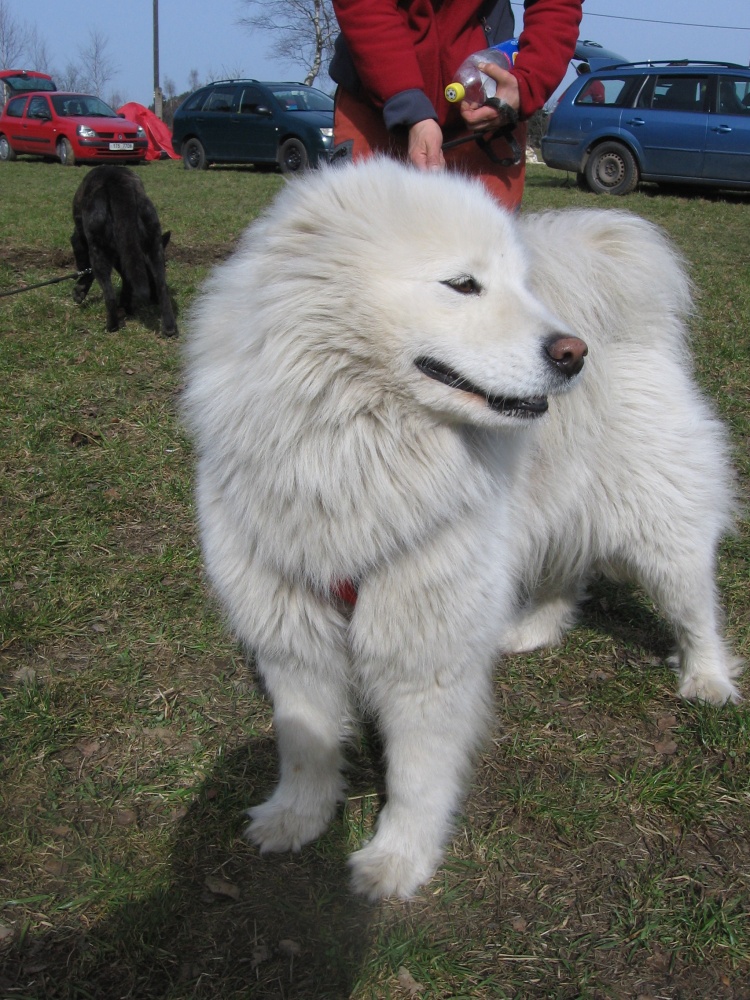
394	58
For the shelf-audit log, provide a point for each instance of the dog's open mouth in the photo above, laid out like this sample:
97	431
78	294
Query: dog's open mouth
533	406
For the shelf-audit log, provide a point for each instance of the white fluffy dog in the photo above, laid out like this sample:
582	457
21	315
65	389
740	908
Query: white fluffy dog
388	393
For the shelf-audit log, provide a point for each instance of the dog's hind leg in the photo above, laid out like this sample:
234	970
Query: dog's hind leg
686	593
83	263
102	268
310	710
676	567
158	281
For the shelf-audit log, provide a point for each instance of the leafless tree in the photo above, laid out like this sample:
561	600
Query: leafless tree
232	72
71	78
193	79
13	39
37	53
98	67
304	30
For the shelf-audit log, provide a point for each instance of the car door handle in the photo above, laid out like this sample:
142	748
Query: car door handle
636	121
721	128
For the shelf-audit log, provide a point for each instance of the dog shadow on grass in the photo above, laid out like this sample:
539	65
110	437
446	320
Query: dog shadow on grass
227	923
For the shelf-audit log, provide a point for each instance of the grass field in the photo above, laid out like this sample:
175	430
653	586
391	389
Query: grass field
605	846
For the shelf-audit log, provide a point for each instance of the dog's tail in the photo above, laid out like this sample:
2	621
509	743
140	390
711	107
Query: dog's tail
124	206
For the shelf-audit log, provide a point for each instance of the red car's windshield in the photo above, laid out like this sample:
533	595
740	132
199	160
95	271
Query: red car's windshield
74	105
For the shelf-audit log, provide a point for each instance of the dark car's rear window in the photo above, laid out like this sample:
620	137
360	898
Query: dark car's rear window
302	99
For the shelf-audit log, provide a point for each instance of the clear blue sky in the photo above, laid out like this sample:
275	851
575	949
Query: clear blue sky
203	35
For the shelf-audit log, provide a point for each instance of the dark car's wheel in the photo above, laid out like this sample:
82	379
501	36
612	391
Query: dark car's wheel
611	169
65	152
292	156
6	153
194	155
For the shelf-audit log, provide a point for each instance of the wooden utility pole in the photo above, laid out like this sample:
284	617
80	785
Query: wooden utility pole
158	96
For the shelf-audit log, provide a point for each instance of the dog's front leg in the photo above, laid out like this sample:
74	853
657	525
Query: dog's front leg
310	708
430	734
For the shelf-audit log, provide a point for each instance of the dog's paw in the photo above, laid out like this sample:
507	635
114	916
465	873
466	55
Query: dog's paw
378	872
713	690
540	626
279	826
714	687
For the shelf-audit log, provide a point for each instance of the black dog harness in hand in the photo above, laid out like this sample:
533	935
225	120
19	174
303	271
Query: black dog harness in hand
485	139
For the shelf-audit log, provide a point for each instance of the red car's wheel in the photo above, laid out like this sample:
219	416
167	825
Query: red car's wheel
65	152
6	152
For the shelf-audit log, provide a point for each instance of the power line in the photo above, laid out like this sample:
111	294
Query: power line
676	24
650	20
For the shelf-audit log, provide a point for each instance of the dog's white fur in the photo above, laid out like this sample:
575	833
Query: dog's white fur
325	454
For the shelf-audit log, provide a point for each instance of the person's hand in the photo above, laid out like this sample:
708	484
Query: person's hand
478	117
425	145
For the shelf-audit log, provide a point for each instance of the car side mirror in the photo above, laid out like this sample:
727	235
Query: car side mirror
263	110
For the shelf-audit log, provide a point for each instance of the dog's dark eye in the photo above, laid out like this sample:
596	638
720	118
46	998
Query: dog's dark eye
465	285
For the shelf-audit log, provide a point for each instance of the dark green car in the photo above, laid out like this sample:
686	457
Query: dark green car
289	125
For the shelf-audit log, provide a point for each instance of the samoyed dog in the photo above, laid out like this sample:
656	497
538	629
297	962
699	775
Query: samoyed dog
421	425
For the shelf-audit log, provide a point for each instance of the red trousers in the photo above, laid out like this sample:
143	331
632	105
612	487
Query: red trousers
361	125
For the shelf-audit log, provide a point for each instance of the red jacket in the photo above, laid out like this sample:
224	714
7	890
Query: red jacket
404	52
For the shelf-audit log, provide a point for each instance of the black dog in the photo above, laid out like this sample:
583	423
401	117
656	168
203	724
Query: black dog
116	226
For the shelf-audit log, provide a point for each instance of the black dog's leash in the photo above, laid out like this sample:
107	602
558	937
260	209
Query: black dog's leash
485	139
41	284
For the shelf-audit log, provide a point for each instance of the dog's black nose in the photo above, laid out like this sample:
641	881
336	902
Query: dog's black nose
567	354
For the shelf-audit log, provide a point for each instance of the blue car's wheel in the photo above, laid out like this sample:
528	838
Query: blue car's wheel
611	169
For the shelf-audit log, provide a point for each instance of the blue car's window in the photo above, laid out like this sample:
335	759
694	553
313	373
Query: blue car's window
607	92
734	96
680	93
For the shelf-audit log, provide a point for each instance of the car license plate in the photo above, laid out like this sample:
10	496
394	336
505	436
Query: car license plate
121	145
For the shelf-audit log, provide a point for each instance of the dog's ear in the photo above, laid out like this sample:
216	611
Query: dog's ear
165	237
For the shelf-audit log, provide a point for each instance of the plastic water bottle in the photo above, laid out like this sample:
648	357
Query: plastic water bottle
473	85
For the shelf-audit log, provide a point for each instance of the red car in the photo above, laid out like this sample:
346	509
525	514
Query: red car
73	128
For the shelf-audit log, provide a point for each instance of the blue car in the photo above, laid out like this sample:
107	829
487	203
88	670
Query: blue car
674	122
288	125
